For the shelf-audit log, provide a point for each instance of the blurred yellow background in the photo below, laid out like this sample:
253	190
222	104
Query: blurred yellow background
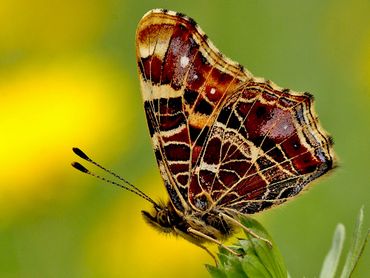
68	78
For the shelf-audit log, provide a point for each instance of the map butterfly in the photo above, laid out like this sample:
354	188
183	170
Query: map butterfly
227	143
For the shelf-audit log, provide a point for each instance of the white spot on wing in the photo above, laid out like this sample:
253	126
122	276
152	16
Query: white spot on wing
213	91
184	61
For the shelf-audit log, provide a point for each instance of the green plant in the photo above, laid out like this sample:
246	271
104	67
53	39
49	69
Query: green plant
258	259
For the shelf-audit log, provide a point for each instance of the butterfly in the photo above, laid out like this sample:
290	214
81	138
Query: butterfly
226	143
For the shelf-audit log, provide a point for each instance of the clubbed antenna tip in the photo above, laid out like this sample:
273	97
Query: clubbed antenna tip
79	167
80	153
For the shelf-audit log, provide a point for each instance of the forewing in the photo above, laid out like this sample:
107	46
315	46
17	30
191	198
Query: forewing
264	147
184	78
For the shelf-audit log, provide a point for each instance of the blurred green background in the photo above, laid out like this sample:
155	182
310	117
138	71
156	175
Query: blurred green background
68	78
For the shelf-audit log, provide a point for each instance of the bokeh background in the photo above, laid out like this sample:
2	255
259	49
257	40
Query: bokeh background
68	78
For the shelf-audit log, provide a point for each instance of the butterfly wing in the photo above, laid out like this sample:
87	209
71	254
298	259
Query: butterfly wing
264	147
184	79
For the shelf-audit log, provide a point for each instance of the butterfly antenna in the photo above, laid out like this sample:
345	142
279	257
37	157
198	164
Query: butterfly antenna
82	155
132	188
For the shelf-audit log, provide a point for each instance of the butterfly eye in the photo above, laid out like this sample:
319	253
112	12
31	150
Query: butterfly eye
163	218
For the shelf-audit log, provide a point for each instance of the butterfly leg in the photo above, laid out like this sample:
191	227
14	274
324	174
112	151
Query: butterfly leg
211	239
209	253
237	223
196	242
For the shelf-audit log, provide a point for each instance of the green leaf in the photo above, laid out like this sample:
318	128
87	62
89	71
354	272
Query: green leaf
258	259
234	268
223	256
253	267
269	256
357	247
215	272
331	261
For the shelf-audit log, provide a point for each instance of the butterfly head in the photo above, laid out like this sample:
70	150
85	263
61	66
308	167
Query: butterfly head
162	218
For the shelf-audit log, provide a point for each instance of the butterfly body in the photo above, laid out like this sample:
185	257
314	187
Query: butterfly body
166	219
